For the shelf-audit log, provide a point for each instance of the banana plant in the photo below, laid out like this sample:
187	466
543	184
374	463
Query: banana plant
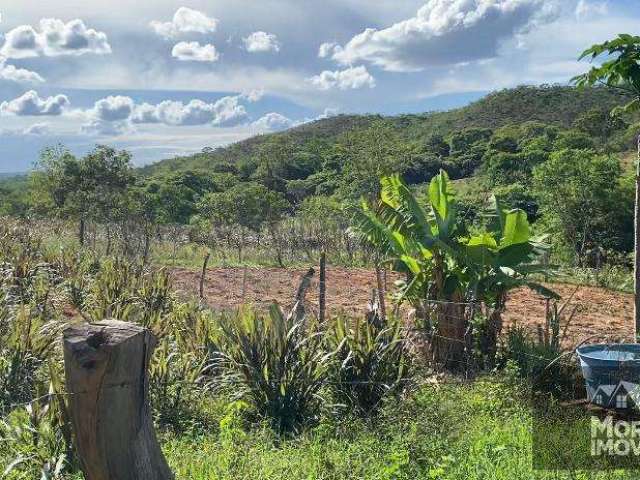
416	241
498	260
444	263
504	256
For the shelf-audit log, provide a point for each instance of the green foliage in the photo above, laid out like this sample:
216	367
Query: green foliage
516	195
572	139
278	364
128	292
14	199
446	263
369	154
599	123
443	259
93	187
371	361
249	205
583	199
543	365
620	71
508	168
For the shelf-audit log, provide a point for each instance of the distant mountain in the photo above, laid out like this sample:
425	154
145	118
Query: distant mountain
6	175
552	104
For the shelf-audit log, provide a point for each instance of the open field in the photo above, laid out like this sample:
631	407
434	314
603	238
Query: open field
599	311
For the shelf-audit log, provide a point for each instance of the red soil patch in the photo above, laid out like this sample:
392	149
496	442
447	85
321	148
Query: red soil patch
600	312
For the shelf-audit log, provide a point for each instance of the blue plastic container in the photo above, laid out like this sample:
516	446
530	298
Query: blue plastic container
608	369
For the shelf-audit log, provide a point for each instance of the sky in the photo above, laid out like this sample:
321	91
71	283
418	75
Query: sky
166	78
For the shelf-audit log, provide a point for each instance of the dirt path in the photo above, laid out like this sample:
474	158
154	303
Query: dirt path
600	311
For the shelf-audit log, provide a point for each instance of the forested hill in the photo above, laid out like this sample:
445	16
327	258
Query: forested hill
548	104
554	152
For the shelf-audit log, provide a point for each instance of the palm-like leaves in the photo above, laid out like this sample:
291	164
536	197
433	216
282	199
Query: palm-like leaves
443	263
430	242
620	71
371	361
406	233
503	257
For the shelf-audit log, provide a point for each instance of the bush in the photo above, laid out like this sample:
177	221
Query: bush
371	362
279	364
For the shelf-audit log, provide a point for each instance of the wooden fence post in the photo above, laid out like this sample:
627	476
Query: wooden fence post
322	295
204	274
106	366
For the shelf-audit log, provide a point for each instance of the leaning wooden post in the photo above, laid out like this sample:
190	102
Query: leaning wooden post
381	293
204	274
106	367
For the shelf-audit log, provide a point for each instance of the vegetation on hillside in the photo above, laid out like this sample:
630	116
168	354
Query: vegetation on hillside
554	152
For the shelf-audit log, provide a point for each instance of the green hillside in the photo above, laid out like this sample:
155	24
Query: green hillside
554	152
549	104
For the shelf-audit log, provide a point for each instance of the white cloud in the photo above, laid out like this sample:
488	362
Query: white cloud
185	20
225	112
31	104
254	95
196	112
37	129
193	51
113	108
261	42
19	75
349	78
273	122
327	113
53	38
229	112
145	113
445	32
105	128
326	49
109	116
586	9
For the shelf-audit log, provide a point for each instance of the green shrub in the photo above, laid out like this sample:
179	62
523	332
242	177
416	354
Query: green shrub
542	364
371	362
278	363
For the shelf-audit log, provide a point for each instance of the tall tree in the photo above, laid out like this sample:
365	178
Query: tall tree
93	188
621	71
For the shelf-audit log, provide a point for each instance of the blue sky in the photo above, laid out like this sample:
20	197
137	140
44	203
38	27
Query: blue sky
164	78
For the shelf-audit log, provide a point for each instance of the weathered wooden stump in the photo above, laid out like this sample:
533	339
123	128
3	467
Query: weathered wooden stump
106	366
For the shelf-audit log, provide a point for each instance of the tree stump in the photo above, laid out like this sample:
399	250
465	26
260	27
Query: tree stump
106	366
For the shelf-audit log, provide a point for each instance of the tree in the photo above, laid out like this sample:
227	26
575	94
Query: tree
599	123
621	71
94	187
370	154
573	139
248	206
580	194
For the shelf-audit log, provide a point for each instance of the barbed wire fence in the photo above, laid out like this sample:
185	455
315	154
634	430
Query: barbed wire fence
416	337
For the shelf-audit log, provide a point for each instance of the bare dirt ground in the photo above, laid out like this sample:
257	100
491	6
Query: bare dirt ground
600	312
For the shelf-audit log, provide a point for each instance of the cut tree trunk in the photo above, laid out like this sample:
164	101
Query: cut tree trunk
106	367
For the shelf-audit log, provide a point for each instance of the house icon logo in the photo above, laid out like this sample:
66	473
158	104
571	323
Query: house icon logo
621	396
